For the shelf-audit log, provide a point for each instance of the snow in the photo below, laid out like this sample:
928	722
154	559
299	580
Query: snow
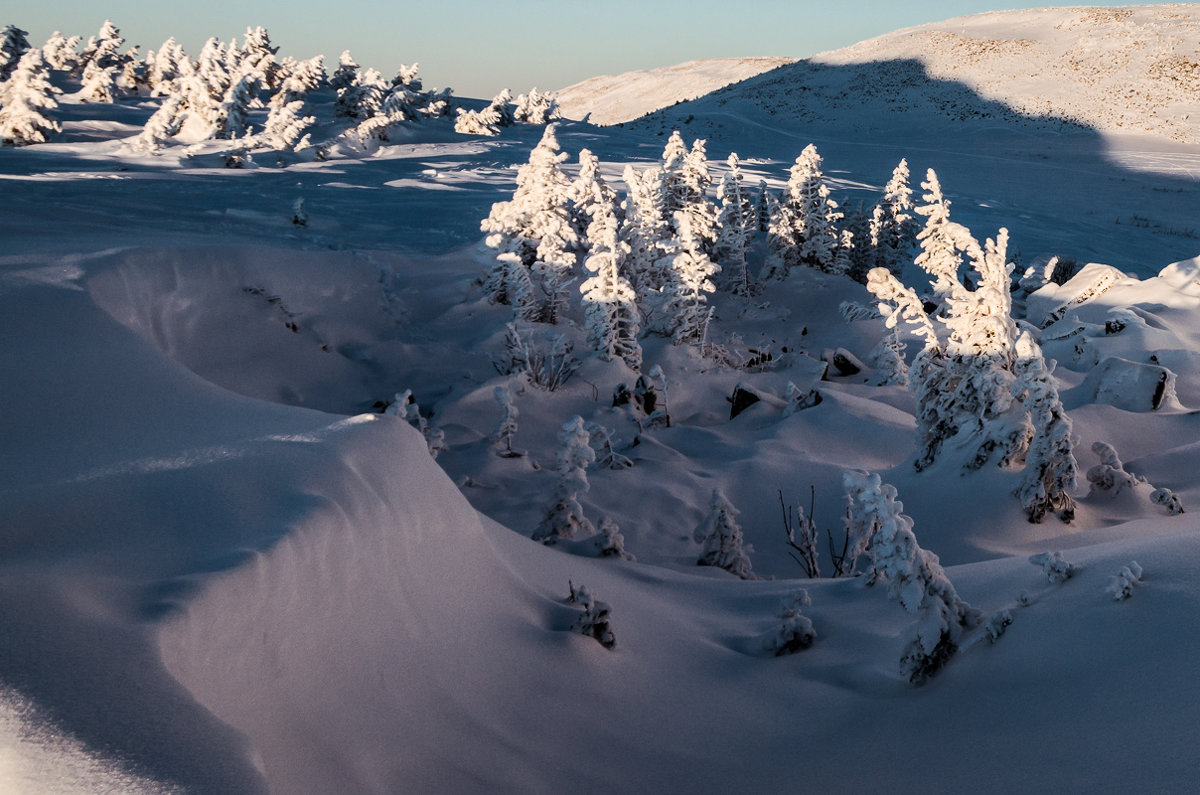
223	568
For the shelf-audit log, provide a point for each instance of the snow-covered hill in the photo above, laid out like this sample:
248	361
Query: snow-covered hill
1128	70
611	99
1133	70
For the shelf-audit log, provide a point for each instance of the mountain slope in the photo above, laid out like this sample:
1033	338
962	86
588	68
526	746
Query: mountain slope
1127	70
612	99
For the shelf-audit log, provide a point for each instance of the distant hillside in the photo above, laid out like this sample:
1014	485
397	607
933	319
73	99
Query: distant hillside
611	99
1134	69
1129	70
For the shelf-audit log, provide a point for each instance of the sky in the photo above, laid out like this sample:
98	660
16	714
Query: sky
481	46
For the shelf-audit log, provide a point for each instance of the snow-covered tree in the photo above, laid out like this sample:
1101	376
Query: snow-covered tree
297	80
233	112
489	120
594	621
345	74
164	69
163	124
963	378
893	227
105	51
608	299
737	225
1056	568
565	519
914	577
1122	584
213	68
363	97
804	230
646	229
794	632
888	361
258	55
601	440
721	537
588	193
536	107
299	214
1050	466
13	46
405	407
506	428
61	52
285	127
25	99
766	206
536	227
684	312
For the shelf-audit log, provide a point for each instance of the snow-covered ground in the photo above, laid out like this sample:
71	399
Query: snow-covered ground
222	570
611	99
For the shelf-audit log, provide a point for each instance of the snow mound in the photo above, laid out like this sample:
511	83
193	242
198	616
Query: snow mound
612	99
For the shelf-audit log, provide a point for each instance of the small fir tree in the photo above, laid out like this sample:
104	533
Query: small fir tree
506	428
804	231
737	225
721	538
565	519
914	576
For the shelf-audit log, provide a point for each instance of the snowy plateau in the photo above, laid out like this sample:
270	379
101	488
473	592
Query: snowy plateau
300	491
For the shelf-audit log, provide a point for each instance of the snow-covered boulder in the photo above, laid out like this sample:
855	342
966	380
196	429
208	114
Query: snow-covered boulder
1051	303
1128	385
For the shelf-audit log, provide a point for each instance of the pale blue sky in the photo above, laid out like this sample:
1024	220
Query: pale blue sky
481	46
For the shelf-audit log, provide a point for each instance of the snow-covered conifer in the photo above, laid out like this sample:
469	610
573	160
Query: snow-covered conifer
163	124
258	55
609	301
233	112
536	226
804	231
1056	568
964	384
60	52
565	519
588	193
298	80
105	51
285	127
164	69
489	120
646	230
405	407
594	622
506	428
766	206
859	245
213	68
346	72
1122	584
684	311
25	99
888	361
13	46
721	537
893	224
737	225
794	632
601	440
915	578
1050	466
299	214
536	107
